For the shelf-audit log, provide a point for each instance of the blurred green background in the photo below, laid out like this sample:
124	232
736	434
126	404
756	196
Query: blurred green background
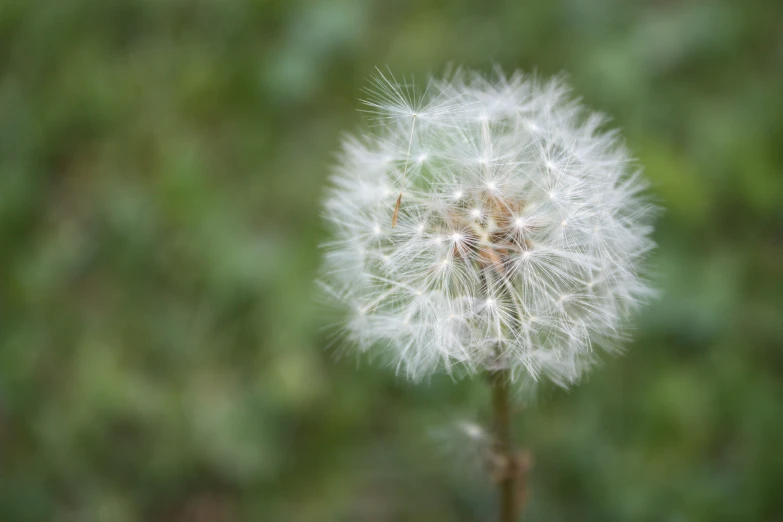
161	165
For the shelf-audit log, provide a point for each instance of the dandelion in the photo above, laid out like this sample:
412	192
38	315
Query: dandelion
486	225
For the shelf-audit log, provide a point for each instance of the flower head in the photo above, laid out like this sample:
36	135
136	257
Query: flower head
485	224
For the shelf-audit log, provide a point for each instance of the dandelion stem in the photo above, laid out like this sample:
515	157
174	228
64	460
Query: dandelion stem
504	452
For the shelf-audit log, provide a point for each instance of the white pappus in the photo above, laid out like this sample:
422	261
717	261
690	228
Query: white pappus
485	223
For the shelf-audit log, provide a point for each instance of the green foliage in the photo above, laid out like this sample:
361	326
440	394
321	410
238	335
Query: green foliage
161	163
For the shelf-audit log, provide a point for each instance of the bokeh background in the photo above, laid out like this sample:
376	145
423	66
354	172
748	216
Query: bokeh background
161	358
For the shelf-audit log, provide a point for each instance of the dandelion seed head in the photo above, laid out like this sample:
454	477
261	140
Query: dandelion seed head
514	200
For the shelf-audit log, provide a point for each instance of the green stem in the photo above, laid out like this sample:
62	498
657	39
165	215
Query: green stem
504	452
